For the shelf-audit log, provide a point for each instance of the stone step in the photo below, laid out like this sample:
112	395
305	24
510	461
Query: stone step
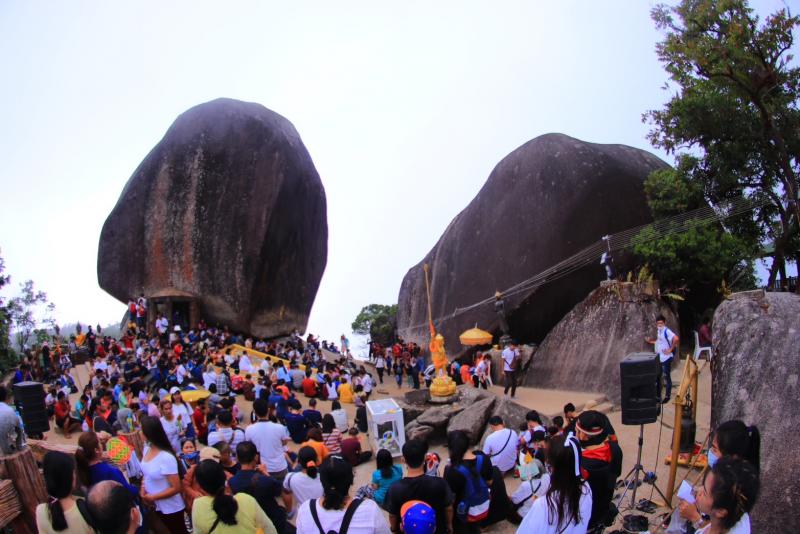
605	407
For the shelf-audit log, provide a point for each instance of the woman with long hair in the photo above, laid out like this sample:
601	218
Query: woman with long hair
305	484
221	512
464	464
161	487
91	467
327	513
60	513
174	429
567	506
386	474
331	436
182	412
728	493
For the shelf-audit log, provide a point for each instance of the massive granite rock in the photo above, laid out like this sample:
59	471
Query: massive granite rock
549	199
583	351
756	370
473	419
228	208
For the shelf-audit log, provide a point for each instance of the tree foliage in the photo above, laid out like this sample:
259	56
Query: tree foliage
379	321
24	311
734	127
7	354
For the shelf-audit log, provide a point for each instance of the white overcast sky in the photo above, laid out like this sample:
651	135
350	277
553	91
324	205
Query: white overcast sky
405	108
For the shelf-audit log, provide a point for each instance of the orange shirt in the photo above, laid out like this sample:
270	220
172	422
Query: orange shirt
465	374
319	447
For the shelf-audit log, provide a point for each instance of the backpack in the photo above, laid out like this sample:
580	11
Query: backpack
348	516
475	505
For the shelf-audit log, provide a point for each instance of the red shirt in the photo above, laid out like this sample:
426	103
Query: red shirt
351	448
309	387
61	410
199	420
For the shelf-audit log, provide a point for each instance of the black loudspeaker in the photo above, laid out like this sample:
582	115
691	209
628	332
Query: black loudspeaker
640	385
29	400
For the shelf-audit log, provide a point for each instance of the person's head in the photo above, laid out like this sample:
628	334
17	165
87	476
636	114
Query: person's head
353	432
457	446
225	418
224	451
564	494
328	423
261	408
336	476
112	508
188	447
532	419
312	403
315	434
60	397
729	491
175	393
307	459
734	438
211	477
569	411
414	451
590	428
88	450
247	454
384	462
154	433
558	422
166	408
336	405
496	422
59	478
661	322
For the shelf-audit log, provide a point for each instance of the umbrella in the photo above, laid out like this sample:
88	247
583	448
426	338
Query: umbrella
475	336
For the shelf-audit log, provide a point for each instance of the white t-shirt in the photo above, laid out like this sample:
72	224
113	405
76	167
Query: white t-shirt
538	520
508	357
184	410
162	324
181	373
209	377
269	439
245	365
332	393
155	480
527	490
303	487
101	364
172	431
663	342
340	418
368	519
366	383
225	434
501	447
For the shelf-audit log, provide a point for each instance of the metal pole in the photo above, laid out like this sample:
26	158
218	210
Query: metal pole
638	465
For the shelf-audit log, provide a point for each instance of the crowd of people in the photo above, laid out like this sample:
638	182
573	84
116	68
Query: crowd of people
285	462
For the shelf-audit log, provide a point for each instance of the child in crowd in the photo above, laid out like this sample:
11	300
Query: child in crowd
385	474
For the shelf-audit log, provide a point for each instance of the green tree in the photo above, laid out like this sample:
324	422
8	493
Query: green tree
8	357
378	321
24	310
733	125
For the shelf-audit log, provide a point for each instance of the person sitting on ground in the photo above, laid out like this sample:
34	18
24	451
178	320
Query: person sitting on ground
220	512
61	512
567	505
345	391
534	483
601	458
64	419
336	510
501	445
417	486
112	508
304	484
386	474
309	385
339	416
728	493
351	449
331	436
296	423
225	431
312	415
533	424
264	489
315	441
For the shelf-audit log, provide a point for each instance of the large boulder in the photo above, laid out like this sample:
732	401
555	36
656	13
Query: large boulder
410	411
584	349
755	378
229	209
549	199
414	430
438	416
473	420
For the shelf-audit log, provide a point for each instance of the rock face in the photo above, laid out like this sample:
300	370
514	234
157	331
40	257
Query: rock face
473	419
584	349
755	378
228	208
544	202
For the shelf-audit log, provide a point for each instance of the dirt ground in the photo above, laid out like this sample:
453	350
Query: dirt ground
657	436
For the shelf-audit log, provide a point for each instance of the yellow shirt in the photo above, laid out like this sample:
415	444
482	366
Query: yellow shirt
75	522
249	517
345	392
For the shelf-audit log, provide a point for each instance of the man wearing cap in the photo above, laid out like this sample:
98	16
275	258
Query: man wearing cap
601	458
501	445
418	518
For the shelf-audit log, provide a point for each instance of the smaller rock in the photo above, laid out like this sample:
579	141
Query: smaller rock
469	394
439	416
410	411
473	420
414	430
418	396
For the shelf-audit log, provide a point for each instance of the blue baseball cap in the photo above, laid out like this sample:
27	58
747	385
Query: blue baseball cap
418	518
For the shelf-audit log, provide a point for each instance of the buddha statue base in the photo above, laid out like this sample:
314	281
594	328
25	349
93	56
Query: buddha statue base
443	389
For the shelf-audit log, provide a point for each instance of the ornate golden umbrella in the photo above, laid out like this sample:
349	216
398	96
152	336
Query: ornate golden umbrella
475	336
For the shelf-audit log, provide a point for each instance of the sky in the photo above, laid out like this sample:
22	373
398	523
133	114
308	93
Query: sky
405	108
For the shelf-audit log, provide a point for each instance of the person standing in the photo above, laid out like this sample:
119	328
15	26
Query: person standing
269	439
510	357
61	513
161	487
665	344
380	366
112	508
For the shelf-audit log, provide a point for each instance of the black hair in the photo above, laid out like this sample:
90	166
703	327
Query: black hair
59	474
569	407
457	446
312	402
661	318
533	415
3	393
211	477
593	420
414	451
336	475
261	407
558	421
328	423
246	452
225	417
384	463
154	433
734	438
495	420
212	388
564	494
735	488
304	456
336	405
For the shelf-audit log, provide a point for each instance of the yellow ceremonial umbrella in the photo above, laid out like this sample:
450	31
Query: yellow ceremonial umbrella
475	336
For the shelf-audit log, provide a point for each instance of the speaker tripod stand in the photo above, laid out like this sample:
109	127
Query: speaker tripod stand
632	478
